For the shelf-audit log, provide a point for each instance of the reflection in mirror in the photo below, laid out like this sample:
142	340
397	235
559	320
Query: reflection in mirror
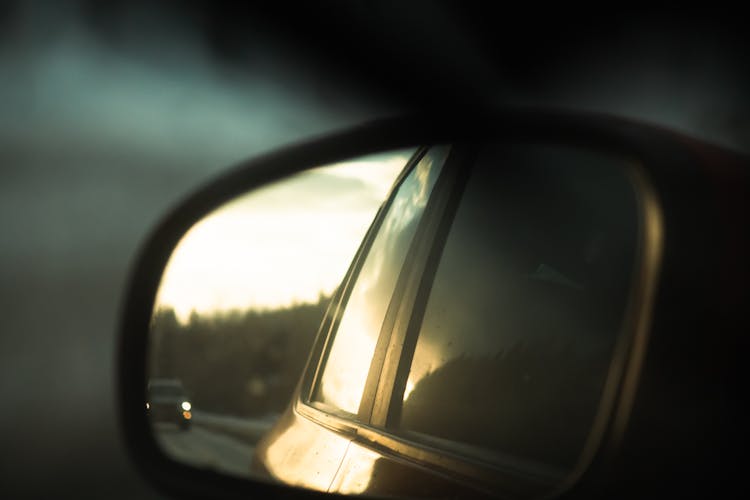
476	345
343	378
544	281
241	300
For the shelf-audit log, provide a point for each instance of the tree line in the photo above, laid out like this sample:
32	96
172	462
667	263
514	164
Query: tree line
243	363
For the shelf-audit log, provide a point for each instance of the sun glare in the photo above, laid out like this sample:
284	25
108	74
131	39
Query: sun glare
283	244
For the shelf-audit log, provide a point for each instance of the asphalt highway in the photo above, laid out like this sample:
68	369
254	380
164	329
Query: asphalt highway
203	447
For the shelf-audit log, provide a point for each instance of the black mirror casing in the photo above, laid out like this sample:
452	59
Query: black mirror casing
678	399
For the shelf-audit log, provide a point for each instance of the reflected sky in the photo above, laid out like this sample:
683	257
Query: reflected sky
286	243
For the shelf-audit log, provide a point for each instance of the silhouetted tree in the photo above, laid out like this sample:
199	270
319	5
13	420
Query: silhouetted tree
243	363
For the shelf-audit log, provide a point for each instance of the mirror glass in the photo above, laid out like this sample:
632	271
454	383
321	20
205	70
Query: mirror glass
391	323
241	300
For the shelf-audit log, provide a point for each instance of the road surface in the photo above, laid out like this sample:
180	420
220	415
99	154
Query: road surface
205	447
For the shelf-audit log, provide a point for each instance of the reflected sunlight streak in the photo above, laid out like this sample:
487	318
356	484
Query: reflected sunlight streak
410	384
344	384
301	458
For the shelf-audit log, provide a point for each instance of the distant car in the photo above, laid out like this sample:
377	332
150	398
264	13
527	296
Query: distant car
168	401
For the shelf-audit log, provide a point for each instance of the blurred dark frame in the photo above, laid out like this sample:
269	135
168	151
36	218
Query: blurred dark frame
701	190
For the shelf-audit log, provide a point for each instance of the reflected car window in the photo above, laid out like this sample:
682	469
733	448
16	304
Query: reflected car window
526	305
345	373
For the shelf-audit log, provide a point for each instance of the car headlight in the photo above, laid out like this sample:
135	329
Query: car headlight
186	405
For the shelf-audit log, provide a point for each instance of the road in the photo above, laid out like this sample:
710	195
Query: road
204	447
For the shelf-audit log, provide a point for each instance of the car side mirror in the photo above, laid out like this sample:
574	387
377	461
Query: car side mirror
409	309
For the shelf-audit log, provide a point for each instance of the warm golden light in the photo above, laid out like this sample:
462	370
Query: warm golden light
430	360
410	384
306	455
285	243
343	386
356	471
350	355
187	415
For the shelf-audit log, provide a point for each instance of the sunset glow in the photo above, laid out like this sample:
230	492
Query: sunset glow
279	245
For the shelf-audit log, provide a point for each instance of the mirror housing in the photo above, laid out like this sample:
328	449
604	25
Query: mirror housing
640	400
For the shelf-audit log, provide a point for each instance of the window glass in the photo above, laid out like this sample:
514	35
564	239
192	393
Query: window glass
345	373
526	304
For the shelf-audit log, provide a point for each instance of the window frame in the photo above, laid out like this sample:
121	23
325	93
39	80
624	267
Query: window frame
372	426
328	414
403	349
